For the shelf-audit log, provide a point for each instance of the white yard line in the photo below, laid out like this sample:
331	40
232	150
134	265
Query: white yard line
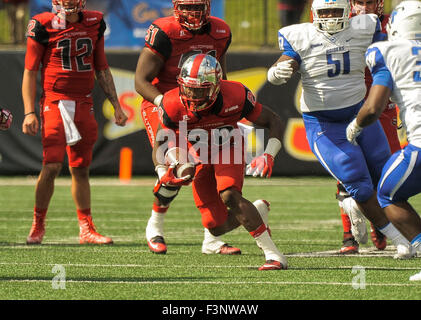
282	283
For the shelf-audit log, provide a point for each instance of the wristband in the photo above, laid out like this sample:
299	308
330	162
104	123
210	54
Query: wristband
27	114
158	99
273	147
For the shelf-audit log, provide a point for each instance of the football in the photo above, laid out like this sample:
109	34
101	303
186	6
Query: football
183	168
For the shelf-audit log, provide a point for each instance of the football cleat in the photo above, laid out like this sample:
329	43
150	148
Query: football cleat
37	230
226	249
88	233
358	225
272	265
415	277
378	238
157	245
350	246
405	252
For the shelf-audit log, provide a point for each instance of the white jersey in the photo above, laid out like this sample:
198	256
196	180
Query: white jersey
397	65
331	66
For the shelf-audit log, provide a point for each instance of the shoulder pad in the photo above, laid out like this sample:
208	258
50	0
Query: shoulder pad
170	111
91	17
172	28
364	24
44	18
299	36
219	28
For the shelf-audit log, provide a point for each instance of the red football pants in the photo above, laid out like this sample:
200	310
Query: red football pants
54	139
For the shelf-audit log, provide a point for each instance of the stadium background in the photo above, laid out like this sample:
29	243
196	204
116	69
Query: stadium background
254	25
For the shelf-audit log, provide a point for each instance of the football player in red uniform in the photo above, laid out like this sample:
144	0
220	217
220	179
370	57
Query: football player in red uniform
209	107
70	46
169	42
6	118
388	120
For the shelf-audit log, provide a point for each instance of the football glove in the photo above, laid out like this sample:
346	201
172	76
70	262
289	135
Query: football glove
280	73
261	165
353	130
169	179
6	118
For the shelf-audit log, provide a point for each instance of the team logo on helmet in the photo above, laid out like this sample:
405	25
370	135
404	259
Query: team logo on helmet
199	82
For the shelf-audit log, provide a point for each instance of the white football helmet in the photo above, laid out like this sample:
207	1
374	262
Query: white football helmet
405	21
331	24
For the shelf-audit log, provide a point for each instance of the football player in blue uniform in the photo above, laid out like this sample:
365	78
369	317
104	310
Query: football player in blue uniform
329	55
396	74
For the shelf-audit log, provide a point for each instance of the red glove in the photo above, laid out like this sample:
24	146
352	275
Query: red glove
169	179
261	165
5	119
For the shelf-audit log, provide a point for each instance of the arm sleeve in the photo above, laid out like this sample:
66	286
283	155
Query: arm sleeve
287	49
380	72
34	53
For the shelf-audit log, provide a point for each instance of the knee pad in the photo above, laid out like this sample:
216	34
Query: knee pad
166	194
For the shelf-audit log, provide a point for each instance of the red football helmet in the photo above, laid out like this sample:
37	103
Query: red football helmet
68	6
199	82
192	14
379	8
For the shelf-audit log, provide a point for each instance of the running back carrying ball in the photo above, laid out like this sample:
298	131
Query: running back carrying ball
182	167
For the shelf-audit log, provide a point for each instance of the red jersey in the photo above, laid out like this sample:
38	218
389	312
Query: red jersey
69	55
175	44
234	102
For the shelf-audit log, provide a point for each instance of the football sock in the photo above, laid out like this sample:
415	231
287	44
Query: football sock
83	213
346	223
212	242
155	225
40	213
265	242
394	235
416	243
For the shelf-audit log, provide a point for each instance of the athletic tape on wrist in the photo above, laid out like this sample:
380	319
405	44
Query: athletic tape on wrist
158	99
273	147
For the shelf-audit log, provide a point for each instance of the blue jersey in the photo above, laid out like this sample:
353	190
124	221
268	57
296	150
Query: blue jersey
331	66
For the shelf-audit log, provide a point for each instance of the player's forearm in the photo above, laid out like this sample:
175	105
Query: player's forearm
146	89
29	83
374	105
106	81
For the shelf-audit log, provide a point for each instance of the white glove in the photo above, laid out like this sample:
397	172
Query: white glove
353	131
280	73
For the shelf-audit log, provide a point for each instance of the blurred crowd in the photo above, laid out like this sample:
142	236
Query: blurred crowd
17	15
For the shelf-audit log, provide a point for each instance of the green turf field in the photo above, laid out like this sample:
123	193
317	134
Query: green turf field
305	224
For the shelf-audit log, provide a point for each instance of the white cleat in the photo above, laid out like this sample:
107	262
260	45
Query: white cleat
358	225
212	247
415	277
405	252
